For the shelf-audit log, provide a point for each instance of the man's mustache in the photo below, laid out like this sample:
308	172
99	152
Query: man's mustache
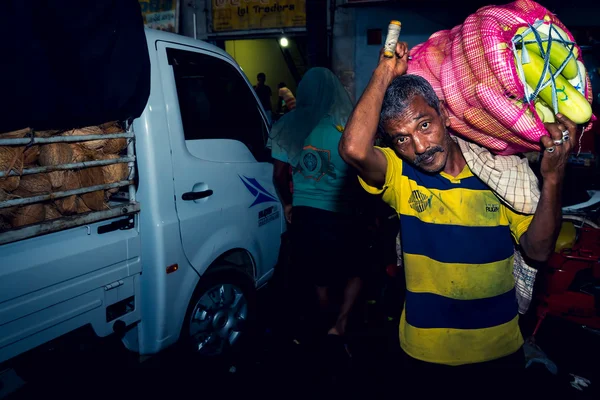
428	154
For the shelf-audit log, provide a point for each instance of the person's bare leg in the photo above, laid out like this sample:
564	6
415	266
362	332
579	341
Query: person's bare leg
323	295
351	293
324	318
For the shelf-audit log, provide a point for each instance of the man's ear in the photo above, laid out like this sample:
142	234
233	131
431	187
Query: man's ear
444	114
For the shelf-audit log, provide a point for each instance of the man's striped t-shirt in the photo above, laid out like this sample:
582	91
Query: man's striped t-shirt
458	241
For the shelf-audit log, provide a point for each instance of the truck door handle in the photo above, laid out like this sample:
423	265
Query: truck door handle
197	195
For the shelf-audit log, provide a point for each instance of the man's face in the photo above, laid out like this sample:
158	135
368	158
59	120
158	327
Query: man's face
420	137
261	80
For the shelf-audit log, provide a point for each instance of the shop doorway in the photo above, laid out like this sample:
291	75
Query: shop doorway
280	60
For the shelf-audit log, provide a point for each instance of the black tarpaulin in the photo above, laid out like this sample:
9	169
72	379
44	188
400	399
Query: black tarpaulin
71	63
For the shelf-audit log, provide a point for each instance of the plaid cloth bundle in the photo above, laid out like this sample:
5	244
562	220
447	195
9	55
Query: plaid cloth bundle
472	69
515	184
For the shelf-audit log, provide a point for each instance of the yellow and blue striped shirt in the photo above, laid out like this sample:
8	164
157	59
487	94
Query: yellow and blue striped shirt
458	242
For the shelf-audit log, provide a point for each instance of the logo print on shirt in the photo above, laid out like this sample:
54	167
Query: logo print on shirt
492	208
315	164
418	201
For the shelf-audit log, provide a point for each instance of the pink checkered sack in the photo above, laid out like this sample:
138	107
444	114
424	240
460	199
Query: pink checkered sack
472	69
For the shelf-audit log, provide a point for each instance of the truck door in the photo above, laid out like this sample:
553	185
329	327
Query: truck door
224	193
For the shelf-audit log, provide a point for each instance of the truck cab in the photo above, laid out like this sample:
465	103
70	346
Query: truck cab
208	183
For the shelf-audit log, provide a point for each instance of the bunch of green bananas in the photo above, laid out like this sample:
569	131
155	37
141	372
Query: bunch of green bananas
569	85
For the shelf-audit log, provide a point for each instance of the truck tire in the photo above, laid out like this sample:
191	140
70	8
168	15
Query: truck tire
220	319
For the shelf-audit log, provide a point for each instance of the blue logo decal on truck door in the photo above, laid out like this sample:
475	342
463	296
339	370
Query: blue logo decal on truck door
261	195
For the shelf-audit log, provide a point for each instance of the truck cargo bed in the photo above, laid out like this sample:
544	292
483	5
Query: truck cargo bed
120	204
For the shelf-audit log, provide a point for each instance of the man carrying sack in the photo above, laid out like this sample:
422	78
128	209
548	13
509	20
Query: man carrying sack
459	328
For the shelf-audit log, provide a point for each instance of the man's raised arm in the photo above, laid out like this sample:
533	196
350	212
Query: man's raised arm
356	145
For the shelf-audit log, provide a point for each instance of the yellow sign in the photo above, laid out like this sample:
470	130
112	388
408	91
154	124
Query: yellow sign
160	14
234	15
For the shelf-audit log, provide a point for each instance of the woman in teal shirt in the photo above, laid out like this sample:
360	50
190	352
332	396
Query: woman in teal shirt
326	232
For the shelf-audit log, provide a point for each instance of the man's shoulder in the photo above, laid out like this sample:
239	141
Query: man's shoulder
386	150
390	155
395	166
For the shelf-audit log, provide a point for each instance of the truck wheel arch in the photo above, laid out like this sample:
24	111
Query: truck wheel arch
239	259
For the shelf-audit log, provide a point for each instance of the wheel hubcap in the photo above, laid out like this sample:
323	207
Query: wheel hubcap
217	319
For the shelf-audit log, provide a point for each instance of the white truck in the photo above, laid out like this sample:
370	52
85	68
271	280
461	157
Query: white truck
180	255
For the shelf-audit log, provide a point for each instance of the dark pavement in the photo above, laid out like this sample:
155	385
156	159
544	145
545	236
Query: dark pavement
277	366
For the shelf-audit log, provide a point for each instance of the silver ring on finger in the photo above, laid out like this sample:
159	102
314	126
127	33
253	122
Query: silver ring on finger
551	149
566	137
558	142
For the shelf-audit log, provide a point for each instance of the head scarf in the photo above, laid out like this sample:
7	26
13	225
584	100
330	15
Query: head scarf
320	94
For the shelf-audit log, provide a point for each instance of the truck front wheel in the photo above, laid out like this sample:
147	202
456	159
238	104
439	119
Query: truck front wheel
221	313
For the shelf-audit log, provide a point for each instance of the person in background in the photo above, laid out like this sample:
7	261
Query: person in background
264	93
460	324
326	231
287	101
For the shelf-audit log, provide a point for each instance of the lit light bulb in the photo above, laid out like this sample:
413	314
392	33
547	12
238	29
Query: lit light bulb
284	42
